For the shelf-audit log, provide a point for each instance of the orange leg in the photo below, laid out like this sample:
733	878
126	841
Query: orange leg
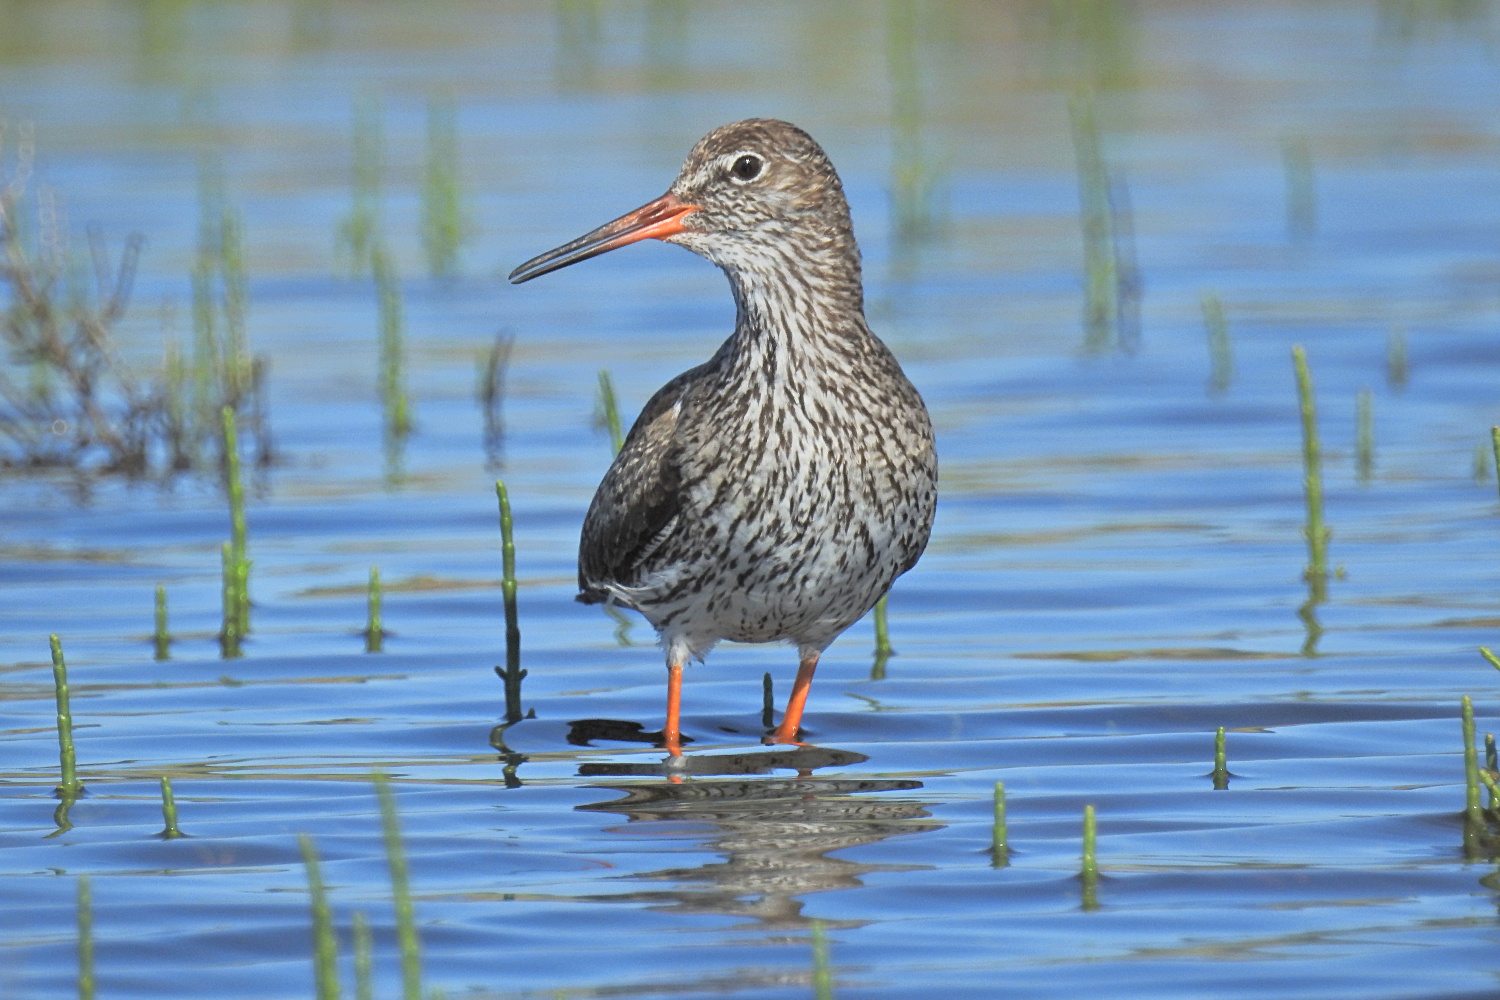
791	722
671	733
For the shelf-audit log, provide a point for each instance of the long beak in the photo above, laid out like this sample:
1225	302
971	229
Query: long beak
654	220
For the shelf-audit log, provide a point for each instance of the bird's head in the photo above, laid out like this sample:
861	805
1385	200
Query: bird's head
749	194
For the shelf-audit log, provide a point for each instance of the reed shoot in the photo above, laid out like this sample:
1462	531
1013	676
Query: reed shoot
883	650
1364	436
999	836
206	356
1473	814
229	629
609	412
406	926
442	215
767	701
822	969
1491	764
1494	790
1301	187
325	943
170	830
70	786
1220	773
882	628
1102	284
364	964
494	365
392	350
208	350
914	179
1493	660
236	297
224	374
162	639
1316	532
374	633
360	231
1397	361
85	939
512	675
1495	447
1089	872
1220	348
237	534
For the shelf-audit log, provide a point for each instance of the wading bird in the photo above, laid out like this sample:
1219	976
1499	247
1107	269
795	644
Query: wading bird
776	491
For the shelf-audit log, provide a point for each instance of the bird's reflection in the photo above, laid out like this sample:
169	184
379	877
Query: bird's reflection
776	832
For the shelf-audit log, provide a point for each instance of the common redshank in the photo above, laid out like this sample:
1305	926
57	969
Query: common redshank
776	491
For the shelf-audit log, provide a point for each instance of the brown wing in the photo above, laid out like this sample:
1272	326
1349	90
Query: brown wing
638	497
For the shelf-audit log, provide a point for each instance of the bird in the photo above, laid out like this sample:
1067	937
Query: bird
776	491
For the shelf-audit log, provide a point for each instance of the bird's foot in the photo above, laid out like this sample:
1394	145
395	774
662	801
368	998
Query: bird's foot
777	737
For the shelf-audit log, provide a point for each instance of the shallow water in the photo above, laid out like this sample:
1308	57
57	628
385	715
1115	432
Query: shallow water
1115	572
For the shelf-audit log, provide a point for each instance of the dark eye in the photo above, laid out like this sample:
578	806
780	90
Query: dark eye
746	168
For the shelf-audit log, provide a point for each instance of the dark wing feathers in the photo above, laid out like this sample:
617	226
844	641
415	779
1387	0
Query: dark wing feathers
639	496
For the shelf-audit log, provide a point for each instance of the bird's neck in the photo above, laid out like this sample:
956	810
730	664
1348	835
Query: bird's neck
804	306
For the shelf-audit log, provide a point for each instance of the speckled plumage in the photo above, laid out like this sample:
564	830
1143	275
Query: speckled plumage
775	492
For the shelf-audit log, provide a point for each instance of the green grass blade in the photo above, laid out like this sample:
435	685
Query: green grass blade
325	944
406	925
364	963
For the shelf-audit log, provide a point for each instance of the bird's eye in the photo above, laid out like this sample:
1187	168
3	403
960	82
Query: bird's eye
746	168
